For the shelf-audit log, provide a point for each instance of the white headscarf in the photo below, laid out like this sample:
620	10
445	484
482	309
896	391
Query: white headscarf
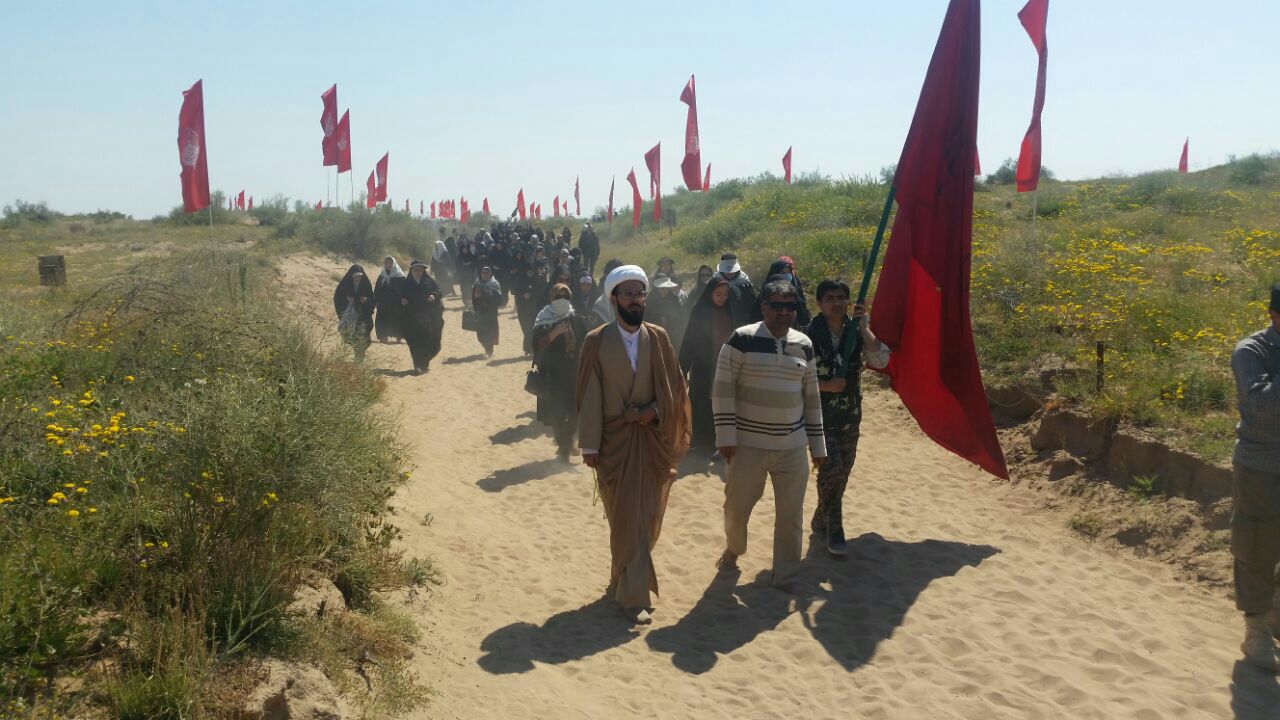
555	312
396	272
622	274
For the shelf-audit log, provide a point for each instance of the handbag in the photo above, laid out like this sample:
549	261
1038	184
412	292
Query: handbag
534	382
469	319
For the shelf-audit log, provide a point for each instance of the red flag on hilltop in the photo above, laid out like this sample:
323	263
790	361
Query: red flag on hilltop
240	201
691	166
786	167
635	199
381	169
566	208
484	206
342	142
921	308
318	205
329	124
1182	161
537	211
191	150
653	159
555	206
433	209
577	202
706	179
466	211
609	213
250	202
371	196
1034	16
520	203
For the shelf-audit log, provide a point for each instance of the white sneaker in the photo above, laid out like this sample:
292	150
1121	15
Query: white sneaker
1259	646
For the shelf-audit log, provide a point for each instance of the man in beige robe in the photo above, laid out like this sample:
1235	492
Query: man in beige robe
633	425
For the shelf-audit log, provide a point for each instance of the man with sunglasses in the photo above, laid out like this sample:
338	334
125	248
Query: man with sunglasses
767	410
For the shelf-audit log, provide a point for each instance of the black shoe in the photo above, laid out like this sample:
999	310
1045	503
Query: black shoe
817	525
836	544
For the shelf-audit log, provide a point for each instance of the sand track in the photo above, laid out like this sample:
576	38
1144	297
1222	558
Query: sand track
960	598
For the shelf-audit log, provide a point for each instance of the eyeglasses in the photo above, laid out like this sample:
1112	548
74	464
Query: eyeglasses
633	294
784	306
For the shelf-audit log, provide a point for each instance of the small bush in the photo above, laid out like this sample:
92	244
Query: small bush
1249	170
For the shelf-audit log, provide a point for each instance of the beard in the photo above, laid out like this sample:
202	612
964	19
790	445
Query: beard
632	317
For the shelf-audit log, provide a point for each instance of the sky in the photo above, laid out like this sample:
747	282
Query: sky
480	98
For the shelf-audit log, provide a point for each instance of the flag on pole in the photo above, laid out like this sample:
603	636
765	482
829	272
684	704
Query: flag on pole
240	201
609	212
1034	16
1182	161
706	179
692	163
466	211
371	194
577	202
635	199
653	159
318	205
921	308
555	206
520	203
250	202
786	167
381	169
191	150
484	206
433	209
342	142
329	124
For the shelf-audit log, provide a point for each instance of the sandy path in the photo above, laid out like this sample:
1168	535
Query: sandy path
960	599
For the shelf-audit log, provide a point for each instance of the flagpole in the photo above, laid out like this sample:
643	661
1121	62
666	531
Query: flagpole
210	222
854	345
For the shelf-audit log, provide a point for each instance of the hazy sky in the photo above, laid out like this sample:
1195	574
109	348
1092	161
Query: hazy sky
481	98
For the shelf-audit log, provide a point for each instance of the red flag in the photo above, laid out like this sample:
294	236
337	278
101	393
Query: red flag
653	159
921	308
706	180
371	196
381	169
609	212
250	202
329	124
692	162
466	211
240	201
520	203
635	199
1182	161
318	205
433	210
191	150
537	211
342	142
484	206
977	166
566	208
577	202
555	206
1034	16
786	167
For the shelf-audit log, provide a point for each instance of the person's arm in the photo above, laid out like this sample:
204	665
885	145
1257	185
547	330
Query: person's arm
1258	391
723	396
813	412
874	353
591	418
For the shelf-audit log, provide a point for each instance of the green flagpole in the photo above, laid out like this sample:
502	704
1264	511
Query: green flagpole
853	345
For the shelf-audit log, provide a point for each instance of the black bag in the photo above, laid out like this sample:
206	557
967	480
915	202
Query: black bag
534	382
469	320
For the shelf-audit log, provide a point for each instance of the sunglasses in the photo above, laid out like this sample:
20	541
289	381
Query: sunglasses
633	294
784	306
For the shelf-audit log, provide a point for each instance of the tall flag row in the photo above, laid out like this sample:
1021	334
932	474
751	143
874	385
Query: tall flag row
1034	16
192	152
335	146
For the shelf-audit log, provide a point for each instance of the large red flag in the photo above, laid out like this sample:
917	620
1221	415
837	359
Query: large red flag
706	179
692	163
371	196
555	206
921	308
240	201
635	199
653	159
191	150
537	211
484	206
520	203
786	167
1182	161
329	124
342	142
1033	16
381	169
609	212
577	201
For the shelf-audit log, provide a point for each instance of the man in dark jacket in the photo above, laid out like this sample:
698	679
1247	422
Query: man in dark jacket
590	246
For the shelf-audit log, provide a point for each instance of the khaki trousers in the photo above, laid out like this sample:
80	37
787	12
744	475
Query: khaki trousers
789	470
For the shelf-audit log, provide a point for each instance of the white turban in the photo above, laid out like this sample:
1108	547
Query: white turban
622	274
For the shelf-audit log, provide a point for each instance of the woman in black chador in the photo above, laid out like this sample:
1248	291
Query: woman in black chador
710	325
422	315
557	336
486	298
386	326
353	302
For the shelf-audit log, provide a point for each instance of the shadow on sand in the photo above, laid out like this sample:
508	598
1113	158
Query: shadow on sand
1255	694
566	636
516	433
870	593
535	470
509	361
461	360
388	372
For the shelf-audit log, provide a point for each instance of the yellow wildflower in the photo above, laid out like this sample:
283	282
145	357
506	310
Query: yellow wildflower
73	513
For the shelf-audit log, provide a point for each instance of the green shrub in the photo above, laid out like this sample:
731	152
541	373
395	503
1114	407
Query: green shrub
1249	170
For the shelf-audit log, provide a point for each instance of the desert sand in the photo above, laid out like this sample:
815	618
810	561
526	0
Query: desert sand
961	596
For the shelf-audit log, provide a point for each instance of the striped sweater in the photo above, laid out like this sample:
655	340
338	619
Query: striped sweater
765	394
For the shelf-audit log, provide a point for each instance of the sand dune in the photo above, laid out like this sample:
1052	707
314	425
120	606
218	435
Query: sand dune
960	598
